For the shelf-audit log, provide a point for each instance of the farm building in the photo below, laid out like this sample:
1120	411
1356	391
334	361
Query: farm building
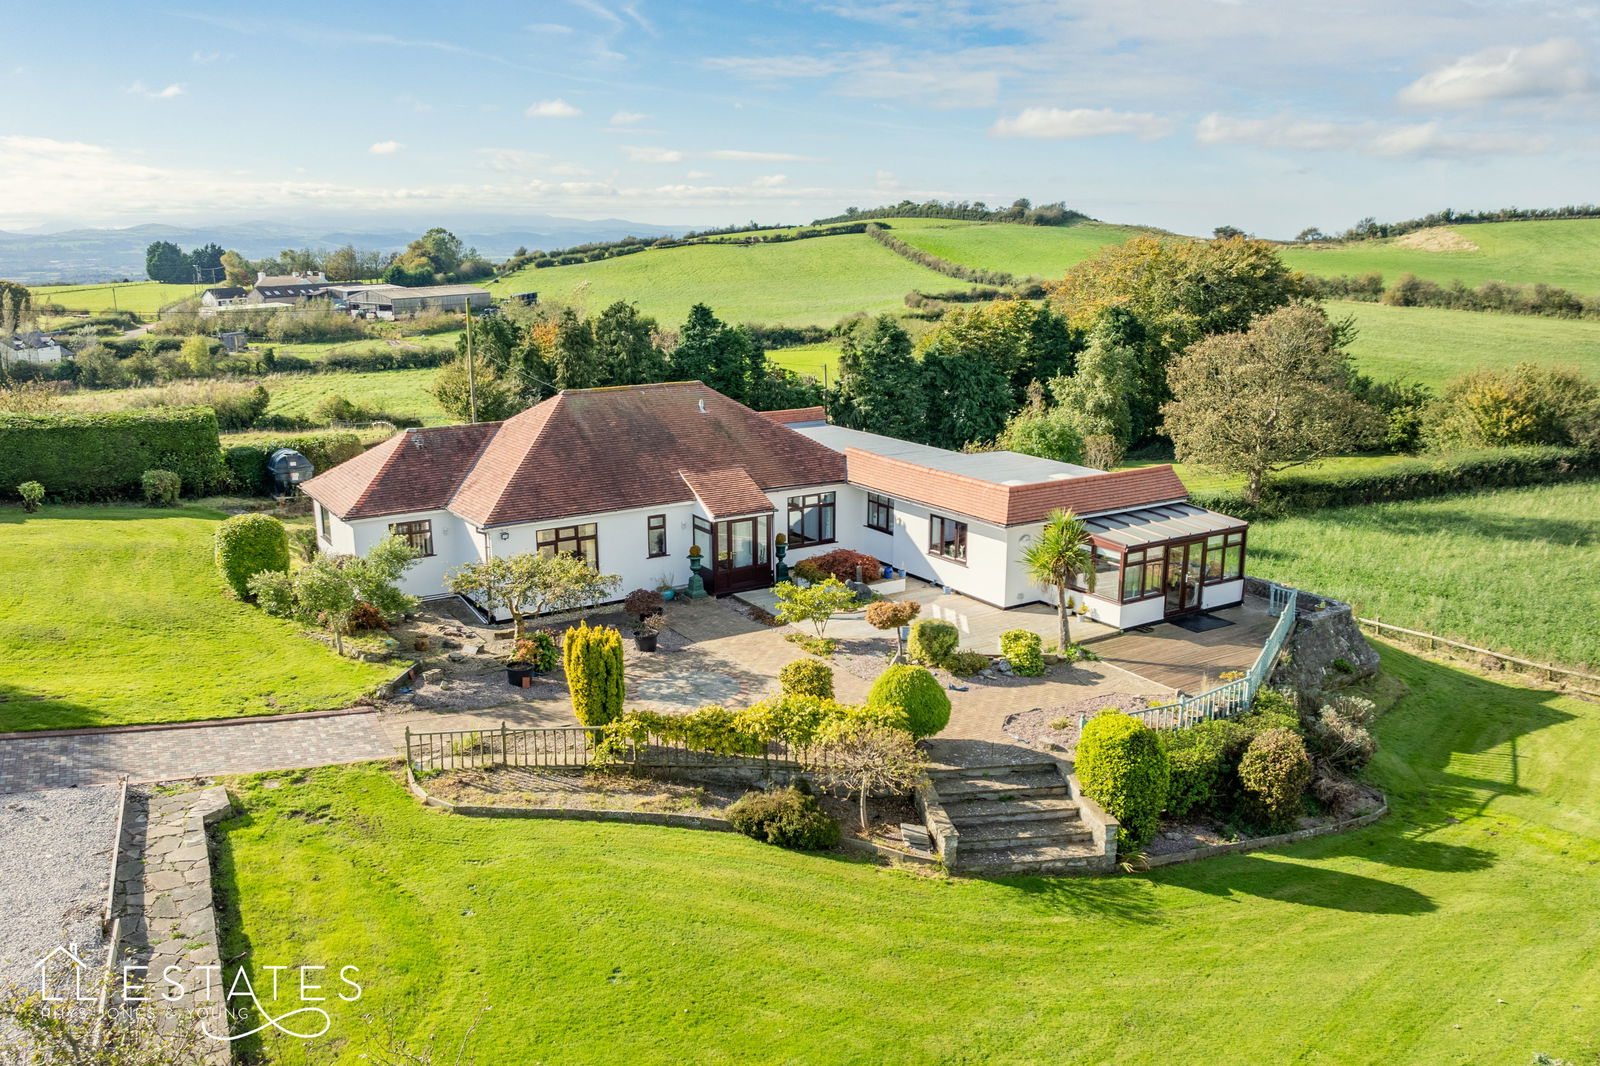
286	288
389	301
217	297
630	478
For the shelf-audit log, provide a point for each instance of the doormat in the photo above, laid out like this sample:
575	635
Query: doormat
1201	623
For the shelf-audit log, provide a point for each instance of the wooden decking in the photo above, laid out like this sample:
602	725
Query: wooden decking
1191	662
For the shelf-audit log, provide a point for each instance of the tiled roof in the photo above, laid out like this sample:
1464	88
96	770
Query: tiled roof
796	414
418	470
727	493
1009	505
585	451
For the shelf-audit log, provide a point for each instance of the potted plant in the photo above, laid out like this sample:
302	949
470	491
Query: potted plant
649	631
643	602
533	655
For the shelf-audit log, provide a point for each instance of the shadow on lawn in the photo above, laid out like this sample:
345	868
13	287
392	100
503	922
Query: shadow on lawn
23	710
102	512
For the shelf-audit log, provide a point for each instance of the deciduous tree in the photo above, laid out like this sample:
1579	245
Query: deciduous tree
528	584
879	386
864	757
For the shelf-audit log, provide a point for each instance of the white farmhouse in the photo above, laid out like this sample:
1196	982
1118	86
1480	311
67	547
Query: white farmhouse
630	478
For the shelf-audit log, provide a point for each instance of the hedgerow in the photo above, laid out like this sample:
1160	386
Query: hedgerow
103	455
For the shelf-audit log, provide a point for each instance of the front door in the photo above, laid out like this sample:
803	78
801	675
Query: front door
1184	565
741	554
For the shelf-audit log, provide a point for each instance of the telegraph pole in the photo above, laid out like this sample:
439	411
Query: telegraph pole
472	374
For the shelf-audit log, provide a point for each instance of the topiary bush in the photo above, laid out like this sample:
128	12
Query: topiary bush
786	817
161	488
593	659
806	677
924	700
892	614
1122	764
247	544
1273	775
966	663
32	494
931	641
1024	651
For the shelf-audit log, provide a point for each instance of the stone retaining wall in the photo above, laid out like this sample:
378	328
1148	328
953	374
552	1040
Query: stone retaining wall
1257	843
1325	632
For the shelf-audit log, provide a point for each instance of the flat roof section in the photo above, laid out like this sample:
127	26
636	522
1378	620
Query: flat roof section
997	468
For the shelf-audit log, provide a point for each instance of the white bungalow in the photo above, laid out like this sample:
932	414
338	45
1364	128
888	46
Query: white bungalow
630	478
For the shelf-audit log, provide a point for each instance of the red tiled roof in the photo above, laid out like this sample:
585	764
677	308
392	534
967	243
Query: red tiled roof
418	470
1009	505
795	414
727	493
591	450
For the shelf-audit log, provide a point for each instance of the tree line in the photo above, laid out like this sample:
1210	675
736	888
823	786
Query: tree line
1410	291
1370	228
1022	212
435	258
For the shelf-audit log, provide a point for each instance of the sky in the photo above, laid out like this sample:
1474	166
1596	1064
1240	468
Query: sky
1269	115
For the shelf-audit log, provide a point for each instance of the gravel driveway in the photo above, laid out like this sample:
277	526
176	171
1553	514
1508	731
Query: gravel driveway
55	856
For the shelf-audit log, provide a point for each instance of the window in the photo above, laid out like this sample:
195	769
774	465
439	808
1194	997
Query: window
656	535
325	523
880	513
1225	558
947	538
1141	573
1107	564
419	535
582	541
811	520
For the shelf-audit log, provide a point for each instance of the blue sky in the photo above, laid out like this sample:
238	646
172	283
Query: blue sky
1271	116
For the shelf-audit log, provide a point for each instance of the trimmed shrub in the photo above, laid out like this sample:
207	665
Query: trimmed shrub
247	544
1271	710
103	455
932	641
1122	764
842	562
926	704
966	663
247	467
892	614
32	494
643	601
161	487
786	817
1204	761
806	677
593	659
1274	774
1024	651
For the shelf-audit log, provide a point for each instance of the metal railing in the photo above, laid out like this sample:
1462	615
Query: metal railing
575	748
1234	697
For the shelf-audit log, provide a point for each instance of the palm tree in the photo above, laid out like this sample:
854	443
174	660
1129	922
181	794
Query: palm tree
1061	550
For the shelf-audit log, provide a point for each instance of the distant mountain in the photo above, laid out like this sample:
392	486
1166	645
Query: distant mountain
84	255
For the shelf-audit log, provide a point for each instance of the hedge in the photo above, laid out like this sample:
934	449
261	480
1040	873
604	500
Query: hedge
103	455
247	544
1122	764
247	463
1414	479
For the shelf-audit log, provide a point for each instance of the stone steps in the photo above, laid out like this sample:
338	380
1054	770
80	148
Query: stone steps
1026	809
1015	819
1009	834
1045	859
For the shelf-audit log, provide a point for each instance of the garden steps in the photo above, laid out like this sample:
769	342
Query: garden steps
1013	819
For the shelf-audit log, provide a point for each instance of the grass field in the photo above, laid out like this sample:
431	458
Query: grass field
803	283
1511	570
1451	932
397	392
1432	345
1564	252
1026	251
109	610
141	296
1198	479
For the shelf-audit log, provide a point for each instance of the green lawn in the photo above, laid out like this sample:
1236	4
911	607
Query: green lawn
1563	252
1026	251
811	282
1513	570
1433	345
1459	930
819	360
397	392
114	615
141	296
1199	479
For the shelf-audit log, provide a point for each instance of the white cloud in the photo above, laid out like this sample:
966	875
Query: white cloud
138	89
557	108
695	175
1055	122
1558	67
512	160
649	154
736	156
627	118
771	181
207	58
386	148
1368	138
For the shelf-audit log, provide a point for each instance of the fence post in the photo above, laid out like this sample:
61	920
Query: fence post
505	752
408	746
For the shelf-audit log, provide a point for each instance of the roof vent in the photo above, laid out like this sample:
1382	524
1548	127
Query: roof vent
702	406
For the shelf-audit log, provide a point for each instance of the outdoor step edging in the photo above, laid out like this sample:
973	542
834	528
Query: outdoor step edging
1101	825
1257	843
946	838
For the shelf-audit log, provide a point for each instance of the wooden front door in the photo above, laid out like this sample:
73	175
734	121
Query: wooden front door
1185	562
741	553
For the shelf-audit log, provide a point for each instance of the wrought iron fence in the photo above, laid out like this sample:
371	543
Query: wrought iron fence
575	747
1234	697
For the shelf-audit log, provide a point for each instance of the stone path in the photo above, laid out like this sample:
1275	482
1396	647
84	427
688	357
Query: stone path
28	764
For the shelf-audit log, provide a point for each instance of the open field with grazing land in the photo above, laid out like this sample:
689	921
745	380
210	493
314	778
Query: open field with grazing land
1451	932
1561	252
1513	570
1199	479
1026	251
802	283
140	296
403	393
108	611
1434	345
